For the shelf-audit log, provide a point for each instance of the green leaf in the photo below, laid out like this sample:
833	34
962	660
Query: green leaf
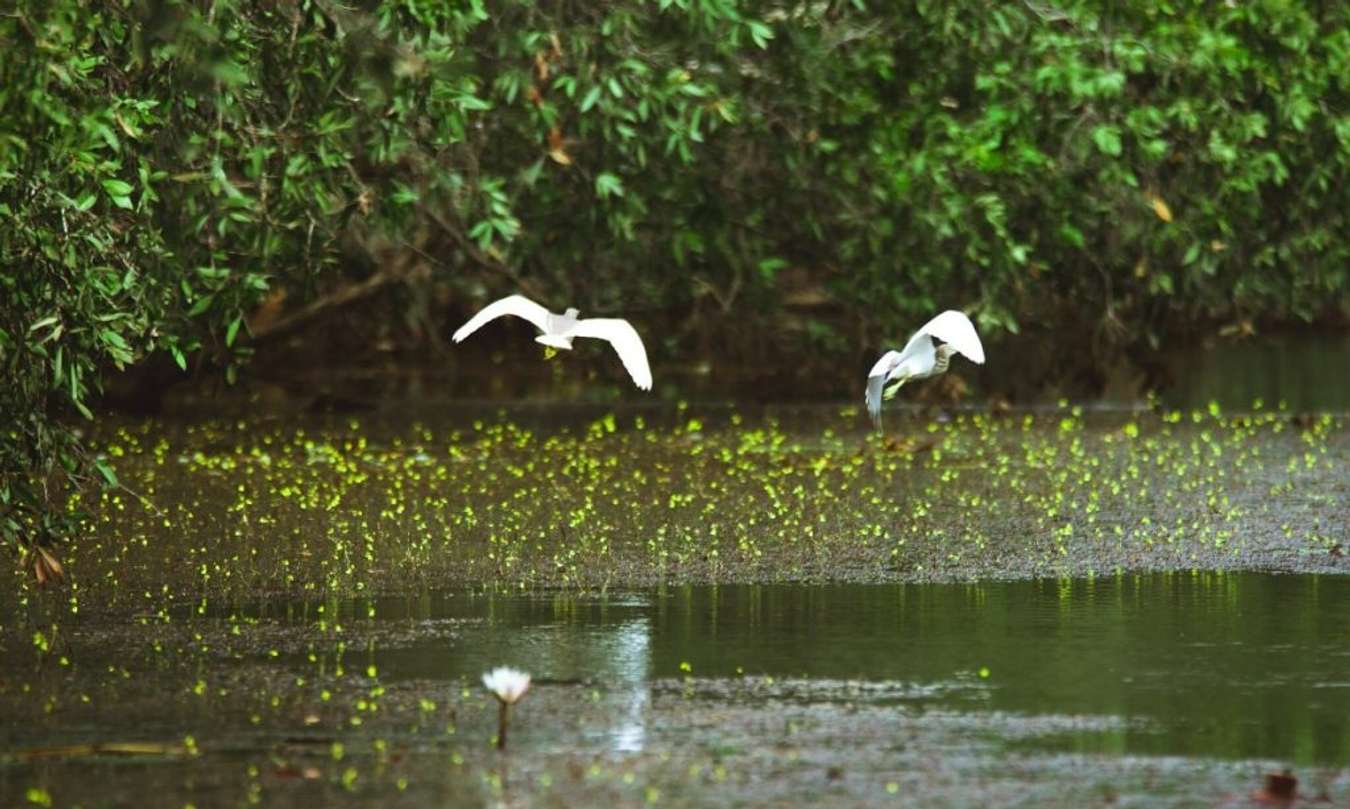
472	102
568	84
482	233
203	303
1072	235
760	33
530	176
404	195
232	330
592	96
769	267
107	472
1107	139
229	72
607	184
117	188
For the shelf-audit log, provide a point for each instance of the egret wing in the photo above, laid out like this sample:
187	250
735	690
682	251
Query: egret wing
876	380
885	365
955	329
517	305
620	334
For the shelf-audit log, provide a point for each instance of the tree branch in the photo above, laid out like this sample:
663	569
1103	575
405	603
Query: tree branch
342	296
480	257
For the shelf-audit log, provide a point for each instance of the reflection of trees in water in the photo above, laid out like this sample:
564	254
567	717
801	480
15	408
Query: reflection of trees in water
1210	664
1229	665
1292	370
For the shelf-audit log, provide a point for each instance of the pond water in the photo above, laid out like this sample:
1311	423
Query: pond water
1296	371
720	607
1166	689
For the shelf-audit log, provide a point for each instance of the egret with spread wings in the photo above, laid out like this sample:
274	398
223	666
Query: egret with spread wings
922	358
560	330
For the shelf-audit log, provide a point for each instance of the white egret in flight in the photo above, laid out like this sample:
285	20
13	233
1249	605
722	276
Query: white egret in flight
560	330
921	359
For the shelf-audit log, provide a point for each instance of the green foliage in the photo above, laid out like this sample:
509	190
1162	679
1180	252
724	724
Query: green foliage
74	294
1133	171
1154	163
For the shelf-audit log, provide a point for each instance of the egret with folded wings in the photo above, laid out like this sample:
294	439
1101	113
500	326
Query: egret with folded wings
928	353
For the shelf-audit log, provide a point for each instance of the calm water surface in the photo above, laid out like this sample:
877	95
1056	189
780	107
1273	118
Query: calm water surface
1293	371
1164	690
1223	665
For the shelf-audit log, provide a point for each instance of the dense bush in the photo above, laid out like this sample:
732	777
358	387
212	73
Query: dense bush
1128	172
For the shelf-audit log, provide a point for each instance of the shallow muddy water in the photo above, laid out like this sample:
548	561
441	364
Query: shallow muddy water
720	606
1165	689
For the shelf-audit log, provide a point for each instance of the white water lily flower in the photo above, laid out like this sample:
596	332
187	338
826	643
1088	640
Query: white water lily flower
507	684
